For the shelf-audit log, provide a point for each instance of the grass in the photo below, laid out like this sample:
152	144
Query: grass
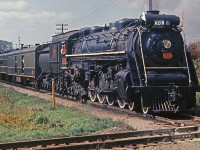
24	117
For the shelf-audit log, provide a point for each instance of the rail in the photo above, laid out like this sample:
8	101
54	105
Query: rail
107	140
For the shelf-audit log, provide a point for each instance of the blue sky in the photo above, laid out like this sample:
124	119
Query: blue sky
35	20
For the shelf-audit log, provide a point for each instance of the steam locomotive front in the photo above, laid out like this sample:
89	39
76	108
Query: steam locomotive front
161	39
167	76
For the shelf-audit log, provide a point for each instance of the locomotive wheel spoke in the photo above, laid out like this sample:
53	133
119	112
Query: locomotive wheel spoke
121	103
110	100
145	110
101	98
131	106
93	96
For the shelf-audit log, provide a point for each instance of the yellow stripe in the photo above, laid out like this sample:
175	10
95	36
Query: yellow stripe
96	54
3	66
29	67
21	76
4	72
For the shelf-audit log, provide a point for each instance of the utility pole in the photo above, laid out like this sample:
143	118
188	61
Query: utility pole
182	19
61	27
19	41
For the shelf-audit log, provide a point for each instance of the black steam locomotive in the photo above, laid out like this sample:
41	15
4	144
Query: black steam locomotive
140	63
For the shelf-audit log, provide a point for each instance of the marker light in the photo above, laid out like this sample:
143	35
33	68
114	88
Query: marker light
167	55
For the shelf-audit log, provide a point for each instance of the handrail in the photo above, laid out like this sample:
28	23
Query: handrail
141	49
186	59
96	54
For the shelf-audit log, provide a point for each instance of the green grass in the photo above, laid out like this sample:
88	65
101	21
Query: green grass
24	117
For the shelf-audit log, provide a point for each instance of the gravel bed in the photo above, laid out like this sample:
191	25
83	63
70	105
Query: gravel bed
134	122
179	145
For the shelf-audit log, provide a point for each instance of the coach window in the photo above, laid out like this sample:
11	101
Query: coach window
22	63
15	64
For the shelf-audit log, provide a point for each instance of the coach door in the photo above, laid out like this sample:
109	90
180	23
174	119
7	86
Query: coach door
22	63
15	64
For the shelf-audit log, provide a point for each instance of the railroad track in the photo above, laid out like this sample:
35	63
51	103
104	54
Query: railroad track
179	119
129	139
171	120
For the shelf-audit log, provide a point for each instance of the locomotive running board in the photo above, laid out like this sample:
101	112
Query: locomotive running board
140	88
96	54
162	68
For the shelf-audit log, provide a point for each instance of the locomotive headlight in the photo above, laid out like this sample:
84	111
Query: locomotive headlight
167	44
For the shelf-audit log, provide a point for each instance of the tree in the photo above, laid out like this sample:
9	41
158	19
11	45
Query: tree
5	46
195	52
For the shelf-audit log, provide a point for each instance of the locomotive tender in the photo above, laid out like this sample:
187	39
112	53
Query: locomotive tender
140	63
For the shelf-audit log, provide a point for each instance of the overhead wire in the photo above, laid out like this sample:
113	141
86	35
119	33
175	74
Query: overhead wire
99	14
91	14
187	4
103	17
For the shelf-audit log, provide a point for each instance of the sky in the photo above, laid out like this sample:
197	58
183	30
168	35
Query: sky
34	21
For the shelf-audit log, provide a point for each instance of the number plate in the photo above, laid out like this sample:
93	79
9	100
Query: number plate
161	23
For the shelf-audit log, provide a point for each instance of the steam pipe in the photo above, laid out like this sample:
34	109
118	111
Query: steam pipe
151	11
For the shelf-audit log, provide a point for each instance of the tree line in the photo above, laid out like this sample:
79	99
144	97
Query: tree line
5	46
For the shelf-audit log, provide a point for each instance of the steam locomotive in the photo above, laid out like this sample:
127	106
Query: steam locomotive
139	63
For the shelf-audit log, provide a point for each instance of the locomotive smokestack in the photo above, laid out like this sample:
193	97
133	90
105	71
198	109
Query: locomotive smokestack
150	5
151	11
